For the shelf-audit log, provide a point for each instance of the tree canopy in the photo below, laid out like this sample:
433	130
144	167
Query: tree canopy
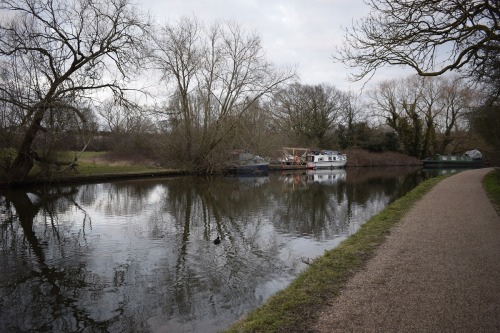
430	36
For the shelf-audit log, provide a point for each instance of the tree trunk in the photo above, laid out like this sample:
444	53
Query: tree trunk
24	160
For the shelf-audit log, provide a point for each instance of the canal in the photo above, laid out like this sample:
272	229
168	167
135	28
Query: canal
139	255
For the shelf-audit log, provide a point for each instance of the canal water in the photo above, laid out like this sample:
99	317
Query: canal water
139	255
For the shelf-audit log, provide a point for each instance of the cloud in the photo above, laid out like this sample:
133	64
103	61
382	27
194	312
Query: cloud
294	32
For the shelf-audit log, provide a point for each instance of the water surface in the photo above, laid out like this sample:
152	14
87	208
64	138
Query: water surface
138	255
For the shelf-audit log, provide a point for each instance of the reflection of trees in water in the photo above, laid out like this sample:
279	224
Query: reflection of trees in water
154	265
122	198
326	210
386	181
189	276
32	285
222	278
313	211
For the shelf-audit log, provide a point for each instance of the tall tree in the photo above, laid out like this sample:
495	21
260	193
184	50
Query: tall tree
485	120
178	56
455	99
430	36
351	121
218	74
56	53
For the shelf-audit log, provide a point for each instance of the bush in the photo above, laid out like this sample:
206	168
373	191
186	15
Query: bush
358	157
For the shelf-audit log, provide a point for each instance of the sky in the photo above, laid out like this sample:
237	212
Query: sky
299	33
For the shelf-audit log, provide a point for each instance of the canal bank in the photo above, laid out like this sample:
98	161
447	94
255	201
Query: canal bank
92	178
438	271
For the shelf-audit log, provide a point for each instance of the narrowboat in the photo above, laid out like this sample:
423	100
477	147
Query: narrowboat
471	159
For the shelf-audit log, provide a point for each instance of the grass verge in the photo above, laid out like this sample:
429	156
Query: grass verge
296	308
491	183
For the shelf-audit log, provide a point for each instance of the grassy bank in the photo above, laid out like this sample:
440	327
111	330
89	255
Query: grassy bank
296	308
491	184
92	166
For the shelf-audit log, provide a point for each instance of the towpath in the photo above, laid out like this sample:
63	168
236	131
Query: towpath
438	271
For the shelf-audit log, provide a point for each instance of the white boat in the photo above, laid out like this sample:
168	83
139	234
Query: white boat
325	159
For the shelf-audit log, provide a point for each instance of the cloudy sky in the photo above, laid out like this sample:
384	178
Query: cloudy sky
301	33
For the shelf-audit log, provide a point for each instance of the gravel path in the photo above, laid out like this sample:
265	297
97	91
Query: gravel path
438	271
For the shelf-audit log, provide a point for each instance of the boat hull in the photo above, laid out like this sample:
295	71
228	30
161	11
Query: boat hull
288	166
326	165
253	169
432	164
453	161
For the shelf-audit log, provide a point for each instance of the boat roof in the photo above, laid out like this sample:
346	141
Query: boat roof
325	152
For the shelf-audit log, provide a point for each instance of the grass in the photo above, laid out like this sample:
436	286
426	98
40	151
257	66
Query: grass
491	183
296	308
90	164
95	163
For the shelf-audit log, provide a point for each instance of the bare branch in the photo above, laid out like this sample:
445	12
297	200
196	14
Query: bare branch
432	37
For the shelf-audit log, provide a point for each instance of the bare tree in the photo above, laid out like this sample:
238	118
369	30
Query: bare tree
121	118
219	73
456	99
424	112
308	113
351	117
430	36
58	53
178	56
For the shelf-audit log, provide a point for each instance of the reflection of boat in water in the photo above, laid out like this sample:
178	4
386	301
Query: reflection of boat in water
326	159
471	159
247	163
435	172
327	177
292	180
246	183
251	181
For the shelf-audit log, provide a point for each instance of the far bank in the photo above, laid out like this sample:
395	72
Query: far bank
106	166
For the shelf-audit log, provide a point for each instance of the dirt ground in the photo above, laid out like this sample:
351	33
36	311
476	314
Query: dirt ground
438	271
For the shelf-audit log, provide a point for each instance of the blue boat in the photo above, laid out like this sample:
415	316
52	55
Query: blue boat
246	163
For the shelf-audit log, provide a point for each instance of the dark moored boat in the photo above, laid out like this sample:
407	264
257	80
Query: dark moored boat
246	163
471	159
